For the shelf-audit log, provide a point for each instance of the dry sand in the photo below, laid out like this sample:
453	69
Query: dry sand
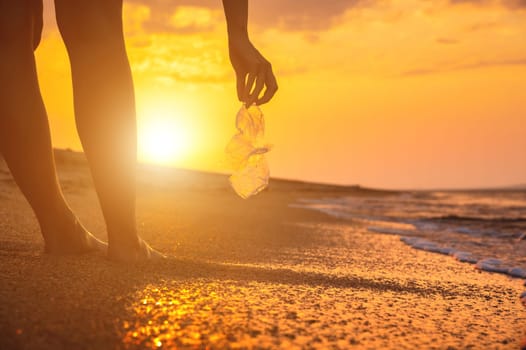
254	273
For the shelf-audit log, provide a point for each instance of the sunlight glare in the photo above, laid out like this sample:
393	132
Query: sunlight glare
163	139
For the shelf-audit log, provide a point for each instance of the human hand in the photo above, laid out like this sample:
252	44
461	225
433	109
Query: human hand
253	72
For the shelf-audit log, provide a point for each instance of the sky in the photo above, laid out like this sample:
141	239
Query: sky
399	94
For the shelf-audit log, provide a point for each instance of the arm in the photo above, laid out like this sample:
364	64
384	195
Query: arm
253	71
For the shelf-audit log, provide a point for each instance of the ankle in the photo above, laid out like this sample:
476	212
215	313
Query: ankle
135	251
55	213
128	242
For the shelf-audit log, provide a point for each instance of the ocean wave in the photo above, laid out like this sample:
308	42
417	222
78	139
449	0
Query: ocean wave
453	217
470	229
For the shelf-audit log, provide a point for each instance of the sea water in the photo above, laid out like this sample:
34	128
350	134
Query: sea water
486	228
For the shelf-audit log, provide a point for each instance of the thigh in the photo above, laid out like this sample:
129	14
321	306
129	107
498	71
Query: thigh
20	23
89	21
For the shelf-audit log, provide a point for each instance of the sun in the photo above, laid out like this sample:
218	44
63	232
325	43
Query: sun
163	139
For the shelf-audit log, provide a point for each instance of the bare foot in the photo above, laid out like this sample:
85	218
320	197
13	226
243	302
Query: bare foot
139	251
70	237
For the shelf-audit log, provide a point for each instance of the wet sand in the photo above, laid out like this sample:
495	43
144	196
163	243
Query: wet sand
244	274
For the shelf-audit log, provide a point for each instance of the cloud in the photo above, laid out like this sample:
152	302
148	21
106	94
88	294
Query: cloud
204	66
179	19
291	15
305	15
514	4
468	66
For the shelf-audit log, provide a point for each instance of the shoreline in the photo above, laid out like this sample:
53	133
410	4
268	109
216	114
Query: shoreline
408	232
243	274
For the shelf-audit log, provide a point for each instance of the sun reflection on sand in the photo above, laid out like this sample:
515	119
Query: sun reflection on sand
211	313
172	317
232	314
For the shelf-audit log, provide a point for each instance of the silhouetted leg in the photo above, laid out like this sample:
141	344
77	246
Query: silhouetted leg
105	114
24	132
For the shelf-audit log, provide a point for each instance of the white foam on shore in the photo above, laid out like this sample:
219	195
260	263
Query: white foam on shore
407	236
466	257
491	265
495	265
409	231
487	264
423	244
491	261
517	272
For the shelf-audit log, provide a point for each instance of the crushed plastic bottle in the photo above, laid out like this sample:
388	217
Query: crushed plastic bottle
246	153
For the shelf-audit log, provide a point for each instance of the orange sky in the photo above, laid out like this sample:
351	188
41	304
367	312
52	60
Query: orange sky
393	94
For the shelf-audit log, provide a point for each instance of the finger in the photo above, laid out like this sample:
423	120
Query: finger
240	85
248	87
272	87
260	84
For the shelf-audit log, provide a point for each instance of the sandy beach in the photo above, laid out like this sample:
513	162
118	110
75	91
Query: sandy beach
242	274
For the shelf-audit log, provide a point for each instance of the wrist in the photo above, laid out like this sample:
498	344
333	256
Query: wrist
237	32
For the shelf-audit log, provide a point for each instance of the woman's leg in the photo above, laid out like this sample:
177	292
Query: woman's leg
24	132
105	114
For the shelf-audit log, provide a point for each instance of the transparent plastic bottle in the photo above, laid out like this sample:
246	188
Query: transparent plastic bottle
246	153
